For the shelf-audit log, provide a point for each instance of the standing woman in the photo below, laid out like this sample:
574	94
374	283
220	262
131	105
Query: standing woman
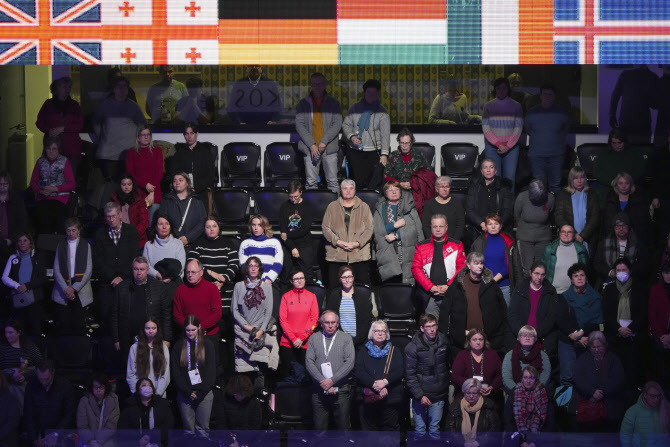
397	230
98	413
147	411
60	116
489	194
478	361
145	162
530	406
502	124
134	206
355	311
446	205
295	223
379	371
262	245
194	371
25	275
73	267
165	246
579	207
624	197
532	213
187	214
145	361
526	351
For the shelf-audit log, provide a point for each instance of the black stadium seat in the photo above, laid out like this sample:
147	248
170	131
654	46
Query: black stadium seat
428	151
370	197
587	154
267	202
459	161
283	163
232	205
318	200
240	165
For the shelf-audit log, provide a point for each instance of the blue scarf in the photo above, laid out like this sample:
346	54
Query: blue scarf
260	238
588	307
377	353
579	210
368	110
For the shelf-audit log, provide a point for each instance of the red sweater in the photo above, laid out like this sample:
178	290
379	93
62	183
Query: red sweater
146	168
659	310
298	315
51	116
202	300
462	369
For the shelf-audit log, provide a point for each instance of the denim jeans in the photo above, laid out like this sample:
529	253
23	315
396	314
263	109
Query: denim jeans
329	164
505	292
195	415
567	358
548	169
506	163
432	415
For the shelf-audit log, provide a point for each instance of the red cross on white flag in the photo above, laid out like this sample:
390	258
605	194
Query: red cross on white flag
192	12
127	12
193	52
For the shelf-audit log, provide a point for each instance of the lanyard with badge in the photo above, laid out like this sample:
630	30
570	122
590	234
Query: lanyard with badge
193	374
326	367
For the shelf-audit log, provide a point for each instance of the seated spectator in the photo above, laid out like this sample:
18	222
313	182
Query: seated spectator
599	382
145	361
252	311
25	276
474	300
163	251
218	256
397	230
133	204
330	370
489	194
187	214
576	205
355	311
621	242
295	223
241	410
427	362
115	247
10	415
648	421
196	159
444	204
530	404
52	181
532	216
625	302
200	298
478	361
298	316
403	162
144	162
18	358
194	372
434	278
526	351
473	414
618	157
348	227
72	271
560	255
624	197
13	207
147	411
379	371
262	245
501	255
49	405
659	329
136	300
98	413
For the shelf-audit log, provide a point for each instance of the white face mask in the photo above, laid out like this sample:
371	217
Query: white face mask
146	391
622	276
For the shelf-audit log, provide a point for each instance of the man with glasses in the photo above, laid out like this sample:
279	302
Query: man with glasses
198	297
560	255
329	361
427	366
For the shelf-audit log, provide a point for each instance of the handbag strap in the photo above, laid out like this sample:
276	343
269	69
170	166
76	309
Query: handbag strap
183	219
388	362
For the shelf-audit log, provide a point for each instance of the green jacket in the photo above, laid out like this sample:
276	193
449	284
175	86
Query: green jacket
549	257
639	422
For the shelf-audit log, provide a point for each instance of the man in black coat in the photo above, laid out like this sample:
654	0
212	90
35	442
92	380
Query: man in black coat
136	300
116	245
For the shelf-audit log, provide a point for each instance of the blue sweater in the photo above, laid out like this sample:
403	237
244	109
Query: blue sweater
547	129
495	259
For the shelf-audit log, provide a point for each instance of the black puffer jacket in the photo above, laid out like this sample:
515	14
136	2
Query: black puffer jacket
476	210
547	313
427	367
454	312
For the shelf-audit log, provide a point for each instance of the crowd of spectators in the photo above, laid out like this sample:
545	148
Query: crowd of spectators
530	304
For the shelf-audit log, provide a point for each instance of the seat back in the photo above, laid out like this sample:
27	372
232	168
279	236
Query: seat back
267	202
71	352
233	207
369	196
648	152
293	404
240	166
319	291
318	200
587	154
396	301
283	163
428	151
459	160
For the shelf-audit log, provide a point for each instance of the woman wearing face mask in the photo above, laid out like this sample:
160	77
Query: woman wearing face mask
147	411
262	245
184	210
98	413
648	421
295	223
193	366
25	275
149	357
625	308
134	206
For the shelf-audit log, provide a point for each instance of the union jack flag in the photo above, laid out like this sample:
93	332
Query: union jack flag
611	31
108	32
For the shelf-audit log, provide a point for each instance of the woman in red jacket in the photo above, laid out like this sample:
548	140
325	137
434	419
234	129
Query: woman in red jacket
134	205
145	164
298	316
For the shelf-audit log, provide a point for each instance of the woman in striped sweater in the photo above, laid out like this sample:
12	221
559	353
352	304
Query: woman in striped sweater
262	245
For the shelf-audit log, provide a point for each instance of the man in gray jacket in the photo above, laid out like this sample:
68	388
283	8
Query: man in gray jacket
318	122
329	360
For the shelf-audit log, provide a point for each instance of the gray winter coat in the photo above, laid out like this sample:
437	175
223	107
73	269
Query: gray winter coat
331	116
88	418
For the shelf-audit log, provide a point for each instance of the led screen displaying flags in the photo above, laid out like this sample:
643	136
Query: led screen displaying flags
185	32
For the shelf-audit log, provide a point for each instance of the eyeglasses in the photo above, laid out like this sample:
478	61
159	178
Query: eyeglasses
379	331
526	336
190	272
346	278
